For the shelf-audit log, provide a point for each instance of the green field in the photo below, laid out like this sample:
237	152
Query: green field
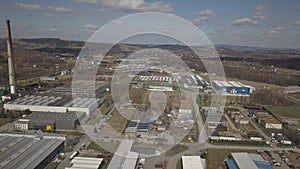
179	164
216	157
94	146
284	111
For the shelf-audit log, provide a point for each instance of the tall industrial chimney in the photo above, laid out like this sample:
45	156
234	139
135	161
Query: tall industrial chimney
11	72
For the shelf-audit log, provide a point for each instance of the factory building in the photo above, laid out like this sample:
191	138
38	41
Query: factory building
247	160
28	151
87	163
143	128
124	158
269	121
131	130
59	104
50	121
192	162
232	87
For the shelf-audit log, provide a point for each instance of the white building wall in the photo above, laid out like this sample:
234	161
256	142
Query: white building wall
55	109
273	126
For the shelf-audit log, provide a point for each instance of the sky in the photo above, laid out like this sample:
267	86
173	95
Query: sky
261	23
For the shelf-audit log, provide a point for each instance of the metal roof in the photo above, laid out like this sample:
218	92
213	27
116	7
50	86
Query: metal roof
25	151
53	116
230	164
124	158
143	125
243	160
85	162
132	124
250	160
192	162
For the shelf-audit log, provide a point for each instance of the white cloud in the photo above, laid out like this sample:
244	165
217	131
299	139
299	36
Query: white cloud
200	20
260	8
261	12
86	1
206	12
60	9
48	14
27	6
279	29
52	29
137	5
90	27
297	22
275	30
243	21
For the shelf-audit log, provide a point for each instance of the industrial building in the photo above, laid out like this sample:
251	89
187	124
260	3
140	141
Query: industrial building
247	160
59	104
86	163
192	162
51	121
28	151
191	81
232	87
131	130
143	128
124	158
269	121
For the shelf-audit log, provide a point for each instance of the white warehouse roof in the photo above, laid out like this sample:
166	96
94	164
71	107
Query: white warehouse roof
192	162
87	163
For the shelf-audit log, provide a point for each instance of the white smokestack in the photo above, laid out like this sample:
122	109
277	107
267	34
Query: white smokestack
11	72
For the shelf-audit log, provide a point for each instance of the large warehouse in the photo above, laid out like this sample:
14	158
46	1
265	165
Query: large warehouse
247	160
50	121
269	121
232	87
51	103
28	151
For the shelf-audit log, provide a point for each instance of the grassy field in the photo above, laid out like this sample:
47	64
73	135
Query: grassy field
179	164
285	111
216	157
256	84
117	121
94	146
104	109
176	149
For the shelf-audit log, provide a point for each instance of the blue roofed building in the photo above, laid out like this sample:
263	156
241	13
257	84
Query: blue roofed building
143	129
232	87
248	160
231	164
